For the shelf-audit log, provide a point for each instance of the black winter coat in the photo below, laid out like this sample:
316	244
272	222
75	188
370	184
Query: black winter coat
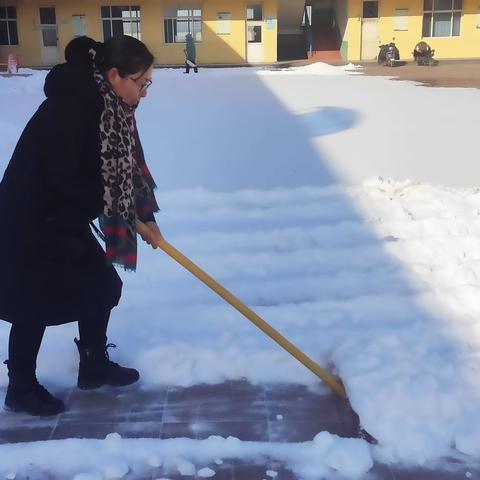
53	270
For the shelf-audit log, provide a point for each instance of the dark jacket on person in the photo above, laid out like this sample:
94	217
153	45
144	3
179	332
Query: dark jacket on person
190	50
53	270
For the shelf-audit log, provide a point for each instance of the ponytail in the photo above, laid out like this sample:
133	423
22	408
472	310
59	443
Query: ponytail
81	52
97	53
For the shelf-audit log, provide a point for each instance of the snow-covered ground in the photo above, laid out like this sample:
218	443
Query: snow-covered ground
292	189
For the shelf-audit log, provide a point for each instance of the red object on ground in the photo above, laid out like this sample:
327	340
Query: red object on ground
12	63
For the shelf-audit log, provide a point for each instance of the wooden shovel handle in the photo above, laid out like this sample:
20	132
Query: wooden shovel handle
334	383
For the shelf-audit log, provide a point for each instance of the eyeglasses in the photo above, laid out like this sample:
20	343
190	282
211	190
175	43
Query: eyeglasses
144	87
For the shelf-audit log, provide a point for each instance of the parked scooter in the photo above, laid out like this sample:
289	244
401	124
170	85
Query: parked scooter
388	55
423	54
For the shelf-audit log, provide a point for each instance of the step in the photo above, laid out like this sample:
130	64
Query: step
325	55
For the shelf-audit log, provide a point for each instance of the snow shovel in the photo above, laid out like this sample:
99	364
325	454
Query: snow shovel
334	383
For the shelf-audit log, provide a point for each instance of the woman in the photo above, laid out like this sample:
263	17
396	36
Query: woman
78	159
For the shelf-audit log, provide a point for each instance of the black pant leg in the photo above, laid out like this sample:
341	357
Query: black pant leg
92	328
23	346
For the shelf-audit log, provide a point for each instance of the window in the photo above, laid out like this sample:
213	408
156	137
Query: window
8	26
441	18
370	9
401	19
254	34
48	16
224	23
180	21
255	13
48	26
124	20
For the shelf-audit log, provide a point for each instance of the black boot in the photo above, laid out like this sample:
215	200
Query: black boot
25	394
96	369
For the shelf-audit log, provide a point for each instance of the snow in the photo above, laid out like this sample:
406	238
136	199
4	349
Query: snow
317	68
342	209
309	460
154	461
88	476
185	467
206	472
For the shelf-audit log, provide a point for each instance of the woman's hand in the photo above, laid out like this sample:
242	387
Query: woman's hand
153	236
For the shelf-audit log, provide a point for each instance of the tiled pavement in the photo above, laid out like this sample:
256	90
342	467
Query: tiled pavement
265	413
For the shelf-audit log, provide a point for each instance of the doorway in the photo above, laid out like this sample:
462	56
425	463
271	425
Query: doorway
370	37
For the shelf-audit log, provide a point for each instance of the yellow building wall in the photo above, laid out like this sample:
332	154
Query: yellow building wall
467	45
354	29
215	48
271	36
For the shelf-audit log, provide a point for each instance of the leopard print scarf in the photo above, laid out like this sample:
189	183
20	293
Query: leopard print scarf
128	185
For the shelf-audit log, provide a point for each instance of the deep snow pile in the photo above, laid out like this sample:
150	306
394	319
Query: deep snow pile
380	278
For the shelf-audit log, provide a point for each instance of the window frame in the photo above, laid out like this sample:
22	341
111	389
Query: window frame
452	11
131	20
7	19
170	21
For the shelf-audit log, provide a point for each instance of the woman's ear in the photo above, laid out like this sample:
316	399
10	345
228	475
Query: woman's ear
113	76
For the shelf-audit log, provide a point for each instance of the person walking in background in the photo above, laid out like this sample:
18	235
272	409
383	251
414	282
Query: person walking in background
190	54
78	159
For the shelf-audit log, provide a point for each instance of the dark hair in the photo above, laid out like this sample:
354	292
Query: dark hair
125	53
77	51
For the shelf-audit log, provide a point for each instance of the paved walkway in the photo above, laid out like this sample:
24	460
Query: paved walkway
239	409
448	73
266	413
